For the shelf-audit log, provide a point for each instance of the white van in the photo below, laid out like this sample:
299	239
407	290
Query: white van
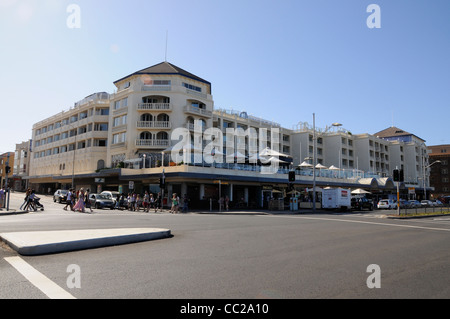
111	195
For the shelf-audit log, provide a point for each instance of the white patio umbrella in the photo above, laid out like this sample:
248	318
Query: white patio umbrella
334	168
276	160
305	164
270	152
360	191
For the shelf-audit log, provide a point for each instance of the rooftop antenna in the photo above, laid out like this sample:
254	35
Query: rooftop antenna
167	36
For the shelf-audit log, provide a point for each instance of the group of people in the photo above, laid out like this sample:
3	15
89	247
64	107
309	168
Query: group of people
31	201
78	201
135	201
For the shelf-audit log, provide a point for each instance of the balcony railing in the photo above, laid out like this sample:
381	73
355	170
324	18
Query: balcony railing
152	143
154	107
154	124
197	111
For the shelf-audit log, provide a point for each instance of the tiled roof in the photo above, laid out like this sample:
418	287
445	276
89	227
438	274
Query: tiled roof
167	68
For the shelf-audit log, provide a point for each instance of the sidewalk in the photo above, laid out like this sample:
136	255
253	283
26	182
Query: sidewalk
4	212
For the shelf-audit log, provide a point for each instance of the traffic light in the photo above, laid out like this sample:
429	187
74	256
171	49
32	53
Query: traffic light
162	182
398	175
292	176
7	169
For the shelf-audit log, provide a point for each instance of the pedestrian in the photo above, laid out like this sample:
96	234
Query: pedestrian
152	202
69	200
185	203
25	202
175	203
227	202
158	203
2	195
137	202
146	201
88	202
31	200
132	201
221	203
79	206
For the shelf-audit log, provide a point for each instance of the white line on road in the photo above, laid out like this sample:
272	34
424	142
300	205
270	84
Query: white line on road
48	287
363	222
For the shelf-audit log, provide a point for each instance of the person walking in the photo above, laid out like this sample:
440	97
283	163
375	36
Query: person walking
185	203
175	203
87	201
158	203
79	206
25	202
152	202
146	202
69	200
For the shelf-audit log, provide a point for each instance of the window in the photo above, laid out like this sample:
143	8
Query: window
101	127
148	81
102	111
192	87
119	138
121	120
100	143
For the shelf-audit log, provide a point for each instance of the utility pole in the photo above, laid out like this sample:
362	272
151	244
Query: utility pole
7	170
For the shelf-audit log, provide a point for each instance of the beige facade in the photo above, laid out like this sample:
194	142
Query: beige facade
136	127
148	106
71	142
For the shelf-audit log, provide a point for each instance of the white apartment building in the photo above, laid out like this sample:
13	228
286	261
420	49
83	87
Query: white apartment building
123	142
70	143
149	105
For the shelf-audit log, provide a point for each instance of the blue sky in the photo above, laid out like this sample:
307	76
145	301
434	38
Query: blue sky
279	60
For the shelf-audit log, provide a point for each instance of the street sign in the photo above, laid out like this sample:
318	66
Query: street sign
131	184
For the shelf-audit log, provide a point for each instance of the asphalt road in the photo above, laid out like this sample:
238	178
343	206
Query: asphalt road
240	256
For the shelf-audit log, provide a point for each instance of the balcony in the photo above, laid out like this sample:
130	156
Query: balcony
156	88
154	107
197	111
154	125
152	144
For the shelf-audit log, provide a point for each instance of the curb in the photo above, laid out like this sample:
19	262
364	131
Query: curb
51	242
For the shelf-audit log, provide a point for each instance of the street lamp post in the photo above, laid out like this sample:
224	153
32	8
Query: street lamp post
314	162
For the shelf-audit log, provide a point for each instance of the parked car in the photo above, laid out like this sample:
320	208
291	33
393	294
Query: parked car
404	203
111	195
360	203
426	203
60	196
387	204
100	201
437	203
414	204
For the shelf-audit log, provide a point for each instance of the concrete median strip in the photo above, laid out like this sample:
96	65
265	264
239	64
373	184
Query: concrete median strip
49	242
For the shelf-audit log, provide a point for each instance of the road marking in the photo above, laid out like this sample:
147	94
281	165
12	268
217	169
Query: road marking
48	287
365	222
